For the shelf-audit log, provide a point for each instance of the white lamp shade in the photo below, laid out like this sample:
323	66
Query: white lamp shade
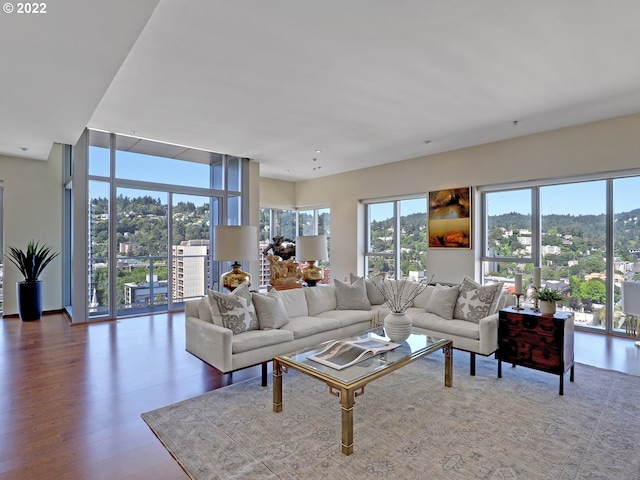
235	242
311	247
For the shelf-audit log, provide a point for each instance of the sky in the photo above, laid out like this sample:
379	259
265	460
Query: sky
583	198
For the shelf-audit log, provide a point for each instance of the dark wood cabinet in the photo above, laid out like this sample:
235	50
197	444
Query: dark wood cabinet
530	339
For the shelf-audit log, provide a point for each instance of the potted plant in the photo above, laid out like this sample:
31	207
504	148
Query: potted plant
30	263
547	298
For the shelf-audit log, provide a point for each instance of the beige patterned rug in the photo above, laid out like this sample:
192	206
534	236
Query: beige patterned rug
409	426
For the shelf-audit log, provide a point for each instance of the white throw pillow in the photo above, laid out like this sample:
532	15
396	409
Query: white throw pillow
270	310
237	310
422	300
443	300
352	296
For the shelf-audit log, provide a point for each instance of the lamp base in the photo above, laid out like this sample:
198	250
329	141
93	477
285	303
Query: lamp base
311	274
236	277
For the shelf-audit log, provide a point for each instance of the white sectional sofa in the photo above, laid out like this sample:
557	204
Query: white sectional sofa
293	319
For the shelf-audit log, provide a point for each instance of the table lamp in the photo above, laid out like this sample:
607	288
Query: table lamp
310	248
235	243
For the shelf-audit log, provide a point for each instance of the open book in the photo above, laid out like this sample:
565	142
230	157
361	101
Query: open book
343	354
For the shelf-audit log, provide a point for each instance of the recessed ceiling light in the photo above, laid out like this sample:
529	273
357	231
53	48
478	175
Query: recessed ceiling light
427	142
24	149
318	151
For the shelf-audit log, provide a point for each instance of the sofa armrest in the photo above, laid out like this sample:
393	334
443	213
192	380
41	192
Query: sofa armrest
489	334
209	342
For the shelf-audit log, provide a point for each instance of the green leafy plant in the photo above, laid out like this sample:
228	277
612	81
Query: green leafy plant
545	294
31	262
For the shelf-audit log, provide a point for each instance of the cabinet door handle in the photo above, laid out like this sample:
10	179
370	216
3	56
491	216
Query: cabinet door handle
529	322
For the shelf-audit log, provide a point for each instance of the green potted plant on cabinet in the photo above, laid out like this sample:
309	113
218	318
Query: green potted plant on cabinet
547	298
30	263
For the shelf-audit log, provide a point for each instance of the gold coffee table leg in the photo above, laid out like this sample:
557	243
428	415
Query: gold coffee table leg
277	386
347	402
448	365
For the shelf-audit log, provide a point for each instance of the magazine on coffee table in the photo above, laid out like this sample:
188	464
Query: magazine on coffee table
342	354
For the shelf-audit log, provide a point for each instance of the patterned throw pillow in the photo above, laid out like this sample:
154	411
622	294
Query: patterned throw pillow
474	304
237	310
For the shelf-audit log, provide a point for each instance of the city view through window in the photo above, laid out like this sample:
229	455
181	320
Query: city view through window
150	222
572	245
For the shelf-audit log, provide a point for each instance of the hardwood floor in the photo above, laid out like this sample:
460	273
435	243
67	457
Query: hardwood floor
71	396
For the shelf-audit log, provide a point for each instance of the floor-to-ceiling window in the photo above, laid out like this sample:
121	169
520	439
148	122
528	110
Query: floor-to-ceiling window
151	210
396	237
583	234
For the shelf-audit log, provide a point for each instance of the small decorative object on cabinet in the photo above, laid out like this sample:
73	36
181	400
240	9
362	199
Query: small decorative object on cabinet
542	342
547	298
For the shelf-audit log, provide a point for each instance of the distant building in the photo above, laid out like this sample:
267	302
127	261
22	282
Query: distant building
145	294
190	267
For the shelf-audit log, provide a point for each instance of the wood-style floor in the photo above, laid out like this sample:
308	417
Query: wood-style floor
71	396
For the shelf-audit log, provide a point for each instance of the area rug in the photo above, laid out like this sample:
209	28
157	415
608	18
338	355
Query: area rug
409	426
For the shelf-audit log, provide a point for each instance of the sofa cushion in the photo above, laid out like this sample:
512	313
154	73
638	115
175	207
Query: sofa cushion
304	326
295	302
270	310
204	311
237	310
422	300
460	328
320	299
253	339
348	317
474	304
443	300
352	296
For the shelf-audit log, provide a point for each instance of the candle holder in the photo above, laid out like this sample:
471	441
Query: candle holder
518	307
536	305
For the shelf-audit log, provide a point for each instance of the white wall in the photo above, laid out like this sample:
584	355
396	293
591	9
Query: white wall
591	148
33	210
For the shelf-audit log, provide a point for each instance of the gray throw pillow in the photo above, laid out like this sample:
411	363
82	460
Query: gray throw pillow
443	300
352	296
373	294
270	310
237	310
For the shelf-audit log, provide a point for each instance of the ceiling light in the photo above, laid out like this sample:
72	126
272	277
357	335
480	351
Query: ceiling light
24	149
427	142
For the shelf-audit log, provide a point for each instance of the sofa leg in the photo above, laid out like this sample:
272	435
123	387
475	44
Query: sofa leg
264	374
472	363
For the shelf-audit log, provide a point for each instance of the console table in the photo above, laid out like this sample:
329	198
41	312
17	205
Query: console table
530	339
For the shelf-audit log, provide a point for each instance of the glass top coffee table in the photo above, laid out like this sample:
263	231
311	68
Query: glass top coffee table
349	383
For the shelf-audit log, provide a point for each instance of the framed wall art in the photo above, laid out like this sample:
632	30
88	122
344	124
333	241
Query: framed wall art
450	218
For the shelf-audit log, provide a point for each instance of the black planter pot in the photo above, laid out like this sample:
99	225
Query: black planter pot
29	300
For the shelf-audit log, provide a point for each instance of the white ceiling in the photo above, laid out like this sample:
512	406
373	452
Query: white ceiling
365	81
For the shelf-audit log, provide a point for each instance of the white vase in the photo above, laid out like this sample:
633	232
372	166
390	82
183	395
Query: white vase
547	308
397	326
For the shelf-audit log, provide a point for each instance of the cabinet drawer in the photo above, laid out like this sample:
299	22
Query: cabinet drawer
515	325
